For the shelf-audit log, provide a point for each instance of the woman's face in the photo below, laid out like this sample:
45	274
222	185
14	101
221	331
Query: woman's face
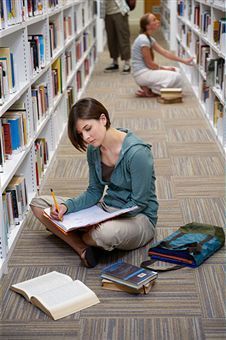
92	131
153	25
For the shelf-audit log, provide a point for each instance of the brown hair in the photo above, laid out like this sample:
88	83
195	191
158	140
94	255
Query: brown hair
144	21
86	108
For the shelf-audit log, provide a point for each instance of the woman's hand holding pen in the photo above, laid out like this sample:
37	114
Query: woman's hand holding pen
57	214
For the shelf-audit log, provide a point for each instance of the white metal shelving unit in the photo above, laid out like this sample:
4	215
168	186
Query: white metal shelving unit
101	32
187	47
168	21
15	37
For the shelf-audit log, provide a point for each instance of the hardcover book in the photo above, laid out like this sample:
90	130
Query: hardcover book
129	275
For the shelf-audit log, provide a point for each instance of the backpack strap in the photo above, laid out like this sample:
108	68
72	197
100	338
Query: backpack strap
149	264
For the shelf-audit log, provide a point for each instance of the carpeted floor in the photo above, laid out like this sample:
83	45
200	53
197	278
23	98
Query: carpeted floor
183	305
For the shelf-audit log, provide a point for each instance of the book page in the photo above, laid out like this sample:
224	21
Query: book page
41	284
63	301
86	217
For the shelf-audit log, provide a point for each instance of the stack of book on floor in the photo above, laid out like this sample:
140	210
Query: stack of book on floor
170	95
126	277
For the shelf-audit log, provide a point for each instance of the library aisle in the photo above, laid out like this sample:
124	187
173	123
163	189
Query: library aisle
184	304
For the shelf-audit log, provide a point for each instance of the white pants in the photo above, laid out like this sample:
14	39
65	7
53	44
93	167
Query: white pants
158	79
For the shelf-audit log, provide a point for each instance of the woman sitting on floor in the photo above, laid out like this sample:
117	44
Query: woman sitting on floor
148	75
122	162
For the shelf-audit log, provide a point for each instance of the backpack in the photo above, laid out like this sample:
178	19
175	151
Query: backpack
131	4
190	245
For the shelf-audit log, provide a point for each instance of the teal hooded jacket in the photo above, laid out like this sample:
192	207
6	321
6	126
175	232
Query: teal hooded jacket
132	182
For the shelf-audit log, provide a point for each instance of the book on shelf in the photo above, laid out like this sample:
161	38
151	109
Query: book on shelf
41	158
86	66
218	115
15	132
40	103
204	55
67	27
53	3
197	16
2	147
56	294
223	35
11	13
68	62
53	36
215	72
17	202
10	210
205	91
5	218
180	7
57	77
206	23
78	49
69	98
85	217
4	90
79	80
110	285
129	275
188	37
34	7
219	34
7	61
85	41
37	52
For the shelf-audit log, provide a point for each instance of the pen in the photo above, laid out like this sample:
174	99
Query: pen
55	202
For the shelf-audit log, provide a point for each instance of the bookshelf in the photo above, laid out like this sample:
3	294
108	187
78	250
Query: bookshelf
168	21
48	78
201	33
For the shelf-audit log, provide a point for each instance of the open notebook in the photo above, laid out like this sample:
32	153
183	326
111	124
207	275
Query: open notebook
85	217
56	294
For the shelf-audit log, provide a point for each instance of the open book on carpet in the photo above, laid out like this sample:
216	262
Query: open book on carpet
56	294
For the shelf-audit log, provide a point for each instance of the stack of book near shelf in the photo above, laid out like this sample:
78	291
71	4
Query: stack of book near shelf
122	276
170	95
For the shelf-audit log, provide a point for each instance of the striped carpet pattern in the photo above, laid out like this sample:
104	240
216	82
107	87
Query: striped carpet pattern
183	305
